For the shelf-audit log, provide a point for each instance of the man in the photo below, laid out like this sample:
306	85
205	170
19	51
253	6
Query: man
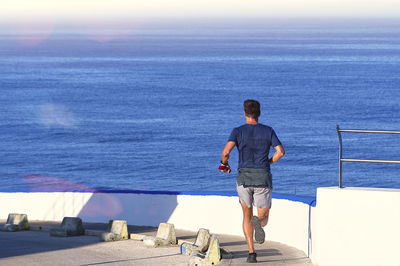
254	180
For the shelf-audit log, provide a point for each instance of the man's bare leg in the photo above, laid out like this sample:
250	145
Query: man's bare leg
247	227
263	214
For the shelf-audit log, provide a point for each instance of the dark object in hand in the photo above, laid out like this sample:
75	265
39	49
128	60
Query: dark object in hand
223	167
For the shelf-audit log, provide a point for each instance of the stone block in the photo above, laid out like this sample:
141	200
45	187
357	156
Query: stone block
117	230
211	257
165	236
137	237
167	231
16	222
70	226
201	243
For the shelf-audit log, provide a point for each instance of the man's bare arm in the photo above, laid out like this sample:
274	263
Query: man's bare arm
279	152
225	155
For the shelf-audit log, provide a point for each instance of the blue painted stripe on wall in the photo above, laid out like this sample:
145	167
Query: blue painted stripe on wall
312	201
304	199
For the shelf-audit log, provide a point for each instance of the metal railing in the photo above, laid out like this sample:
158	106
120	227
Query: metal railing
341	160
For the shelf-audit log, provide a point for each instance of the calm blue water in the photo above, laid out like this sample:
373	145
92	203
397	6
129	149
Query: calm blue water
153	110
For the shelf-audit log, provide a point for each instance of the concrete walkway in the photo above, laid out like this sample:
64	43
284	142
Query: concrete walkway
37	247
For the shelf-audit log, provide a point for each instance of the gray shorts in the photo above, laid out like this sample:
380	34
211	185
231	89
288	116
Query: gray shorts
260	197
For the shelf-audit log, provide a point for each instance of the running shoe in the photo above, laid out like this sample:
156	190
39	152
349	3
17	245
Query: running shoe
259	233
252	258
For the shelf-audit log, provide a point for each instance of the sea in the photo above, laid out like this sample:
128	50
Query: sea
151	108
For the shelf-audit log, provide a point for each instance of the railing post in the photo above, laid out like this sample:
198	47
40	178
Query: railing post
340	156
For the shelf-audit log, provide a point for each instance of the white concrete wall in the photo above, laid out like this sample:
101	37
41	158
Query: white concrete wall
43	206
288	223
288	219
356	226
220	214
350	226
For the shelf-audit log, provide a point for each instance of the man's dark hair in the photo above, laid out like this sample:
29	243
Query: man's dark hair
252	108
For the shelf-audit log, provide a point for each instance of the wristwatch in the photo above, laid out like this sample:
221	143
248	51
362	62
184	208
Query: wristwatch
225	163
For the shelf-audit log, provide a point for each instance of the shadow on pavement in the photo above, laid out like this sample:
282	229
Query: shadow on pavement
235	243
260	253
29	242
137	259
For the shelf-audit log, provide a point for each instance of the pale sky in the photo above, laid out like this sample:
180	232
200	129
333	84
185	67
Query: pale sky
65	10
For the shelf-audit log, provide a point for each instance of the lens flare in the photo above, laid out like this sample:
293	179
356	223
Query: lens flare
40	183
56	115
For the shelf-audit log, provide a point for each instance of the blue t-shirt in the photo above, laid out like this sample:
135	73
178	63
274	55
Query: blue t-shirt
253	143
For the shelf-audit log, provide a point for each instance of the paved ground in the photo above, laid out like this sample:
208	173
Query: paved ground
39	248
